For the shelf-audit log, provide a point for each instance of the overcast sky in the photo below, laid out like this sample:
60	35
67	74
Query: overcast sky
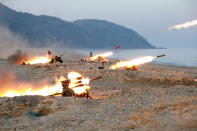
150	18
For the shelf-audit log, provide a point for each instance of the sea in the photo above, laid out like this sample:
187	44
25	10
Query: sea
186	57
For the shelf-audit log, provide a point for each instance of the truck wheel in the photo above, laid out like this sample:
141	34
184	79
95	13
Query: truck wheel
68	92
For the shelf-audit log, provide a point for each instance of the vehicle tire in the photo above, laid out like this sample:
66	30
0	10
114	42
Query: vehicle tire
68	92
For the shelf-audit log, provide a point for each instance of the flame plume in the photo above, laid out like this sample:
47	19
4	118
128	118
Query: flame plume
20	57
101	55
10	87
38	60
78	84
16	88
134	62
185	25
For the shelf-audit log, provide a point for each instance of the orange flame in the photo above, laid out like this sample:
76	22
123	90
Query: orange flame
133	62
22	88
78	84
38	60
185	25
14	88
101	55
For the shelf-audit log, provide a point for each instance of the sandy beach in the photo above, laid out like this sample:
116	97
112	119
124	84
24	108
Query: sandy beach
156	97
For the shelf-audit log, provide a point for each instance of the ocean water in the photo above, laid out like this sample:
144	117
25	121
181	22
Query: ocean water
178	57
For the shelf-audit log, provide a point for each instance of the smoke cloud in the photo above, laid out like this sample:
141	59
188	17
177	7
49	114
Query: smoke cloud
18	58
12	45
10	42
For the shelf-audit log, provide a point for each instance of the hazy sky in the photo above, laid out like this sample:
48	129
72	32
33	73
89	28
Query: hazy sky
150	18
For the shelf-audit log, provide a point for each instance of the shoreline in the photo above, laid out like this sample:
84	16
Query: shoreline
178	66
116	60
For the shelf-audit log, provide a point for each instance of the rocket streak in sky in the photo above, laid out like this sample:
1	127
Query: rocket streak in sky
185	25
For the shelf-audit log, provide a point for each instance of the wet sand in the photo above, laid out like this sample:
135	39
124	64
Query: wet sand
156	97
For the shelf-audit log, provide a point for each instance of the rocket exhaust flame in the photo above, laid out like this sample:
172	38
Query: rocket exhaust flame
77	83
12	87
134	62
101	56
23	58
185	25
38	60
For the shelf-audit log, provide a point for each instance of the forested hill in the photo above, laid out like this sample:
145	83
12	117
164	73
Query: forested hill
40	30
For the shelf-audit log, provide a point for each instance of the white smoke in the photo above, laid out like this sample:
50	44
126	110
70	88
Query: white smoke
10	42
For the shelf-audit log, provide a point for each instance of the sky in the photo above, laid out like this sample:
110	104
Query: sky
150	18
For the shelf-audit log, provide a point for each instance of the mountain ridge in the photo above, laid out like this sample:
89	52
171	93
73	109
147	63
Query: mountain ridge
87	33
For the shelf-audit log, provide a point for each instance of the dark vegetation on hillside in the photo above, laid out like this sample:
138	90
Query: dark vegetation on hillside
40	30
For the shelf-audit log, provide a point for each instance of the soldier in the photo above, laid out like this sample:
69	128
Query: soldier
102	65
56	59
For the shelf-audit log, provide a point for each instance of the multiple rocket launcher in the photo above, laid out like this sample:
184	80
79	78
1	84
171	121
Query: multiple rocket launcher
78	86
132	64
75	85
97	58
